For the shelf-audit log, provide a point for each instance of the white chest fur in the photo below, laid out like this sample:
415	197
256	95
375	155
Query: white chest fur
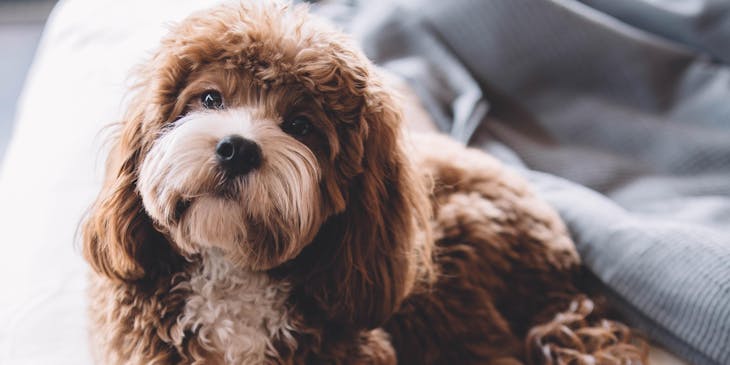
234	313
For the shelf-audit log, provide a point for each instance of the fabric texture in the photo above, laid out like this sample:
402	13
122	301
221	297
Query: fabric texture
618	112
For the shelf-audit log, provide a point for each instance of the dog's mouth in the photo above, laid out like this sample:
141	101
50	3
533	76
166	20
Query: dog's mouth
227	189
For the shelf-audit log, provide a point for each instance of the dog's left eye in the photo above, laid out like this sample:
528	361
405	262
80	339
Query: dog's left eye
297	127
211	99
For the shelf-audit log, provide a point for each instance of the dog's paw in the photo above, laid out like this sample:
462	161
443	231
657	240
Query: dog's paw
571	338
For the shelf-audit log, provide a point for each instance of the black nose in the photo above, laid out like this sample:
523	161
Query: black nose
237	155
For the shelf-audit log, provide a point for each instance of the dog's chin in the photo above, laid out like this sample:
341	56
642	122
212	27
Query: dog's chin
220	221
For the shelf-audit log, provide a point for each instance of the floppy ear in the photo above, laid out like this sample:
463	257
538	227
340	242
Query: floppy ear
386	207
369	253
119	240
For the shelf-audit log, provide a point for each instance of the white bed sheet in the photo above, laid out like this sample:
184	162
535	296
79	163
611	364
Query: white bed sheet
53	168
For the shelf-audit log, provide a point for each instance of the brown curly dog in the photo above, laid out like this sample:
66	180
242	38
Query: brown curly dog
263	206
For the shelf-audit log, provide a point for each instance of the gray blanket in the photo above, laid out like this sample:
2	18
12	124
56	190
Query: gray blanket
619	113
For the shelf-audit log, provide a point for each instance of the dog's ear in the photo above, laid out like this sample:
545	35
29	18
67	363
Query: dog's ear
371	249
383	216
119	239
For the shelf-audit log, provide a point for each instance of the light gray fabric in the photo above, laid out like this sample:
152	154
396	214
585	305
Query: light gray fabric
619	113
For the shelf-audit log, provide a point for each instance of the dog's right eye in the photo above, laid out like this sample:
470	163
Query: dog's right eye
211	99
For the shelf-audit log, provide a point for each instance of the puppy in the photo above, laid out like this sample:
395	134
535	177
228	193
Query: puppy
262	206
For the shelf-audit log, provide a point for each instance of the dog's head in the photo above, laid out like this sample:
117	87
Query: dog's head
263	132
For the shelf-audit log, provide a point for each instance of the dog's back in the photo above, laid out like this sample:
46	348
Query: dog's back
507	270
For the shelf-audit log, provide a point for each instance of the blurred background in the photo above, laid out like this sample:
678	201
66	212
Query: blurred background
21	25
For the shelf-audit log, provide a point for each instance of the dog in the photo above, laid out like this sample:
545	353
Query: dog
263	205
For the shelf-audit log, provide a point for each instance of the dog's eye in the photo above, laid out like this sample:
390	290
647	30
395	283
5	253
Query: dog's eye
297	127
211	99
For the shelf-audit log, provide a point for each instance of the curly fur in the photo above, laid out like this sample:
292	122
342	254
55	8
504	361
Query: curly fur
350	245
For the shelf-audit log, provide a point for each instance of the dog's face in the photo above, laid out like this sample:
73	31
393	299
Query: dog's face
246	159
243	167
263	132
